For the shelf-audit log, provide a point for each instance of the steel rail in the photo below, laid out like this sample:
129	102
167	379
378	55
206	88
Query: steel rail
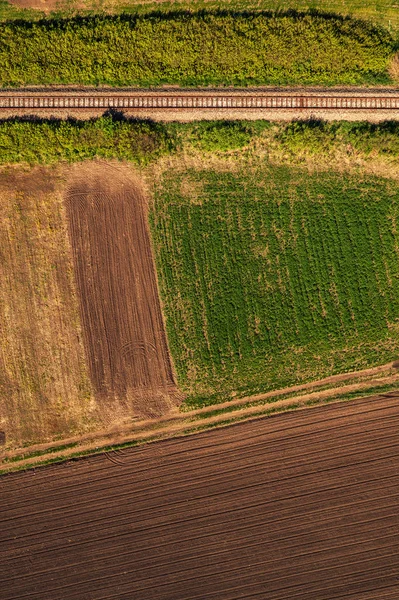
163	101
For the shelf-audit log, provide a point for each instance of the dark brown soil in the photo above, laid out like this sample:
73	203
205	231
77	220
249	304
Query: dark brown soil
299	506
121	315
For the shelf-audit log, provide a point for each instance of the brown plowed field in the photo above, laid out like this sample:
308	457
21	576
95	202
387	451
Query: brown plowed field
301	506
124	334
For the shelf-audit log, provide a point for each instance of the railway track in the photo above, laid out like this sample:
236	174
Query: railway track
198	101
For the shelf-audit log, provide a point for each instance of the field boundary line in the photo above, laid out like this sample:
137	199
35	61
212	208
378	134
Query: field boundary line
187	423
146	423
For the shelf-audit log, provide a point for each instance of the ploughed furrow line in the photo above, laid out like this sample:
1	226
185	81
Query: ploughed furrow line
246	516
238	478
351	431
202	525
197	100
124	336
301	543
249	466
314	518
380	542
364	565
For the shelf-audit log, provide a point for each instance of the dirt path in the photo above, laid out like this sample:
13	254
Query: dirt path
301	506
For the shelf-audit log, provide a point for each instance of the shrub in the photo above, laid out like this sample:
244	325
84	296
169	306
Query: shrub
221	135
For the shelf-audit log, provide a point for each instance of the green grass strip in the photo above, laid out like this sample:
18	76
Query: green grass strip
41	141
191	49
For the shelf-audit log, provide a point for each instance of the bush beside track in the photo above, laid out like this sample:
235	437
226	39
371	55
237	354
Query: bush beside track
191	49
48	141
41	141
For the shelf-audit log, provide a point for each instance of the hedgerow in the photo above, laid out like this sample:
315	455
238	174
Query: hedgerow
315	136
33	140
48	141
191	49
214	136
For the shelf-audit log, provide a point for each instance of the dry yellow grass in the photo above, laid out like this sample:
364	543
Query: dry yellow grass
44	387
394	68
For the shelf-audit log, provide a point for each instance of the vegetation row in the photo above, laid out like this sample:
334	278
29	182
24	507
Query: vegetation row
42	141
191	49
112	136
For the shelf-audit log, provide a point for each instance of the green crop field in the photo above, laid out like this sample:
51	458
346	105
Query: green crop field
191	49
272	276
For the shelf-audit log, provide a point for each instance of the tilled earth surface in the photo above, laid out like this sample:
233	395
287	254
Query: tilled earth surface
303	505
115	274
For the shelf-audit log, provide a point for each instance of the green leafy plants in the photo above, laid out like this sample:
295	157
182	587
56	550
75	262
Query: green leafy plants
191	49
48	141
271	276
221	136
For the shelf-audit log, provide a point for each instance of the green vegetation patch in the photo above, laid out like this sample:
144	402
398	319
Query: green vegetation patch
222	136
191	49
312	137
48	141
33	140
271	276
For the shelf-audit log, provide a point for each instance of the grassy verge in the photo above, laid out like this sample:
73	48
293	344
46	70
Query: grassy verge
381	12
191	49
10	12
39	141
189	427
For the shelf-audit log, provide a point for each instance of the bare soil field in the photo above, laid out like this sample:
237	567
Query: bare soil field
47	351
121	315
303	505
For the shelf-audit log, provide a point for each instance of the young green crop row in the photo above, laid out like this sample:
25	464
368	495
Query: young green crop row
272	277
191	49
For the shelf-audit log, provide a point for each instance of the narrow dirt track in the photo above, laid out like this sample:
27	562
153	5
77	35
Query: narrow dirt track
124	335
300	506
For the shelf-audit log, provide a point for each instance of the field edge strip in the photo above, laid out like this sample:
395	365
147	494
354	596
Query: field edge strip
191	425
